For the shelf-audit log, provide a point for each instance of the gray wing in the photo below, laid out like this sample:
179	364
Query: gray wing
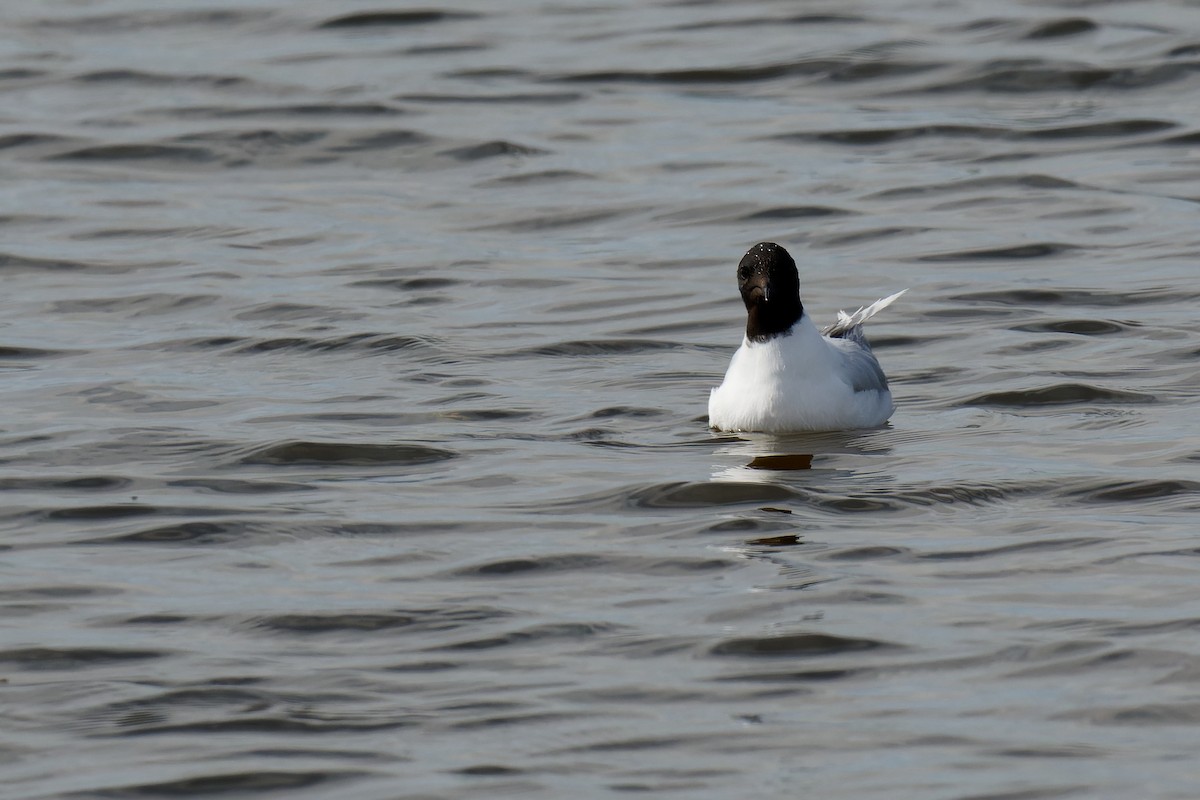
847	338
862	370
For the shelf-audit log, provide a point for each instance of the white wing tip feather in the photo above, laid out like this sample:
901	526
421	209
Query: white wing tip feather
864	314
846	321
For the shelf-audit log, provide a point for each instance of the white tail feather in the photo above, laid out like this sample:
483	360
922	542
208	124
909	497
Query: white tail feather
846	322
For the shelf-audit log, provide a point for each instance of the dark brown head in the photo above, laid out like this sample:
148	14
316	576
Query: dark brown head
770	288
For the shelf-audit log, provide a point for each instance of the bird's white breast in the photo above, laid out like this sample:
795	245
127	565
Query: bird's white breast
795	382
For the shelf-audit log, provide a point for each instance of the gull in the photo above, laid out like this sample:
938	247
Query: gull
788	376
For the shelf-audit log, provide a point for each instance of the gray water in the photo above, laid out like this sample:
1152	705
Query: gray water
355	361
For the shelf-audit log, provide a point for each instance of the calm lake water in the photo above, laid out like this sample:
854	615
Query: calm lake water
355	362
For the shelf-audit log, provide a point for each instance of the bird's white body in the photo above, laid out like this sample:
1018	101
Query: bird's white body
805	381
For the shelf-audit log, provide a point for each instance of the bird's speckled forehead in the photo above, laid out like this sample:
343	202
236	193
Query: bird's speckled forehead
766	255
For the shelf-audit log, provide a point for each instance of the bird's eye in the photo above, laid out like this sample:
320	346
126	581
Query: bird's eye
744	273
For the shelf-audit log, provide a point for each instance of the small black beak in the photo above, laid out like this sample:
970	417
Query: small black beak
761	289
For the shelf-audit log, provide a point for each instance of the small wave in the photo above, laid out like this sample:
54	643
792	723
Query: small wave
534	98
1186	714
484	414
83	483
15	140
135	306
1122	659
547	221
224	783
1041	545
798	644
308	624
586	562
532	178
478	152
346	454
536	634
1058	394
10	262
73	658
411	619
155	79
102	513
490	770
754	526
172	154
631	412
300	110
27	593
866	235
1026	181
199	232
21	74
1076	297
239	486
8	353
188	533
597	347
407	284
1080	327
861	137
370	342
146	18
866	553
1014	253
255	141
793	212
391	19
749	22
1136	491
1059	28
381	140
708	494
831	69
533	565
680	495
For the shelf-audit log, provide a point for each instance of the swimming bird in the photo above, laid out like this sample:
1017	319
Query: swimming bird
787	376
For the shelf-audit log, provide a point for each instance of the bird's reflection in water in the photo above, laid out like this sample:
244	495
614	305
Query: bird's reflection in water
786	540
807	466
767	458
782	461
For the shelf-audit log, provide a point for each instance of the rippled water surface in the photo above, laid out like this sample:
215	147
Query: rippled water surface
355	362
